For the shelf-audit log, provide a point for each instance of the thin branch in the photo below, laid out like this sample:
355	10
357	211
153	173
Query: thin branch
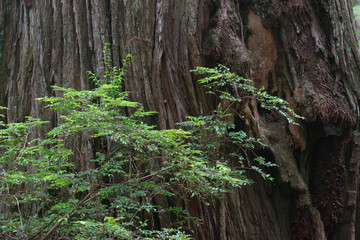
22	149
87	198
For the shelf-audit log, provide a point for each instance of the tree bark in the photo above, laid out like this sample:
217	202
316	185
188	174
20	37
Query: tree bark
303	51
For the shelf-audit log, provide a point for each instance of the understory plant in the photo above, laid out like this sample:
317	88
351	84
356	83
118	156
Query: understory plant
134	170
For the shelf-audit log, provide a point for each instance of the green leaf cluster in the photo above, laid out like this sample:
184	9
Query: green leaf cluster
356	10
228	86
139	169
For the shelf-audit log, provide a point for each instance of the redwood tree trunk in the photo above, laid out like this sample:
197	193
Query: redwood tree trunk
302	50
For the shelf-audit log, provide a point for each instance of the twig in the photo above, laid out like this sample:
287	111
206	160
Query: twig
18	206
22	149
87	198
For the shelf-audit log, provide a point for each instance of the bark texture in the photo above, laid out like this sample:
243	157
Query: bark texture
302	50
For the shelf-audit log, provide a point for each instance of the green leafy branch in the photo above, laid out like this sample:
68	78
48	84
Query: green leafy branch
140	164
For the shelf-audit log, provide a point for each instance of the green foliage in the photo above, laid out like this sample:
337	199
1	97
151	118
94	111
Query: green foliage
356	9
220	80
141	165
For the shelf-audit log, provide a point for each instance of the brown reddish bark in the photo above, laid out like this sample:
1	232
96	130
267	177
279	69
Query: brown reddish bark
304	51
